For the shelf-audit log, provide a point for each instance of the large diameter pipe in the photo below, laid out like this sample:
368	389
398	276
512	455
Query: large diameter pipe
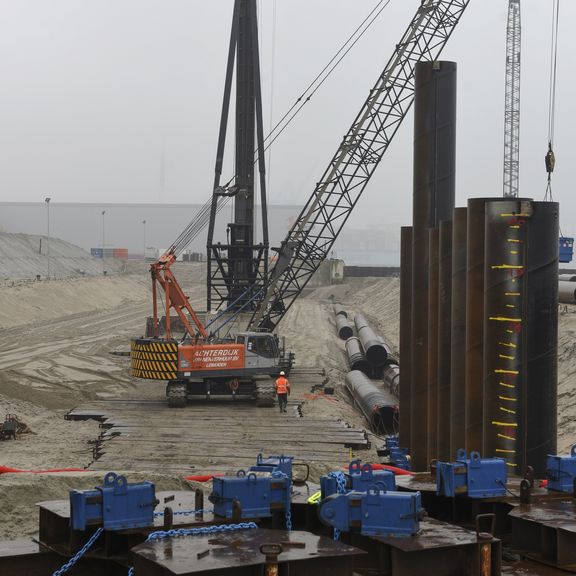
355	355
343	328
405	333
505	329
474	394
374	349
542	341
339	310
391	377
458	332
433	243
566	292
434	192
379	407
444	339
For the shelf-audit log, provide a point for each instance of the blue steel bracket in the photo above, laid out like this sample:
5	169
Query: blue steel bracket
253	495
358	479
561	472
398	456
116	505
373	513
475	477
274	464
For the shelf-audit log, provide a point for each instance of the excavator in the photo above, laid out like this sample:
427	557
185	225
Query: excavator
206	359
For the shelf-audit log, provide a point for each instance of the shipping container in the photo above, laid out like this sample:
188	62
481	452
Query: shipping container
121	253
108	252
96	252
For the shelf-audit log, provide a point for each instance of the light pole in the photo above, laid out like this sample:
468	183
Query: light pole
103	239
144	227
47	200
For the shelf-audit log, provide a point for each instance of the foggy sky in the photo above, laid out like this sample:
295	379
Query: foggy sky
119	100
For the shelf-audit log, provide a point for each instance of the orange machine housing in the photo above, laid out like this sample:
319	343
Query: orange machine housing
210	357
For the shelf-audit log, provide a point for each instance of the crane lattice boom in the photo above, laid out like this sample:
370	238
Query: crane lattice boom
512	110
318	225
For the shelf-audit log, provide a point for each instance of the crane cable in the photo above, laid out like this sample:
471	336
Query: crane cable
550	158
202	218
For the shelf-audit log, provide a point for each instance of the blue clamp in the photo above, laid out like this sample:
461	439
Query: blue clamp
116	505
375	512
475	477
561	472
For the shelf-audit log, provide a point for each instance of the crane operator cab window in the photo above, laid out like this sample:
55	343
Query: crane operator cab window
262	345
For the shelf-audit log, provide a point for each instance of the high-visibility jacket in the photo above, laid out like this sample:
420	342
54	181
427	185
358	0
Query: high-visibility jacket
282	385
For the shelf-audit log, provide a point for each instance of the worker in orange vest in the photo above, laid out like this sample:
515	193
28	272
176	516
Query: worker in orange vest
282	391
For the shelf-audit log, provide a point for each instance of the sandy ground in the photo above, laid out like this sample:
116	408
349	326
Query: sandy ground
55	348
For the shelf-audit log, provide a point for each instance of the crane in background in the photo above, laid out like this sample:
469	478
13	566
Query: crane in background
512	106
200	362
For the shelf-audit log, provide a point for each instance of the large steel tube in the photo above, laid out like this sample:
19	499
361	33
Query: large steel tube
343	328
391	377
433	244
458	331
379	407
355	355
374	349
339	310
567	292
434	191
505	328
444	339
542	341
474	411
405	333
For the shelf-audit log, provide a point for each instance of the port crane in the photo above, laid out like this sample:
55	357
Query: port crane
201	363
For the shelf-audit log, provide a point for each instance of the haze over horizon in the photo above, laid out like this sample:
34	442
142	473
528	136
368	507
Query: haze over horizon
119	101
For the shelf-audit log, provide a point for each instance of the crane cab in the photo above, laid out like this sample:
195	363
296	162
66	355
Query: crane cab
261	350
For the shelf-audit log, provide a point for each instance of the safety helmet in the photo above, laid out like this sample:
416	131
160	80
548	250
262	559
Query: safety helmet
282	373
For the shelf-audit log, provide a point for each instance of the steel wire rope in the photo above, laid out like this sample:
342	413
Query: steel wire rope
550	156
379	8
202	218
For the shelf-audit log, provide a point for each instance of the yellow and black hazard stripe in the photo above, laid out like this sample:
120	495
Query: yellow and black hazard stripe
154	359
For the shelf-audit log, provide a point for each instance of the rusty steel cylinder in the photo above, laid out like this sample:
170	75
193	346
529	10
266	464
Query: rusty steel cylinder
433	243
474	382
458	332
444	339
405	333
434	193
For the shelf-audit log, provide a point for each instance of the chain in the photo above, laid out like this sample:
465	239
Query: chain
340	489
186	512
280	474
162	534
79	554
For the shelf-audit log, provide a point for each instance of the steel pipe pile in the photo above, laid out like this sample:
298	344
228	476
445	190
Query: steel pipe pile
458	331
391	377
355	355
405	334
520	332
434	193
444	339
343	328
567	292
379	407
339	310
373	346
